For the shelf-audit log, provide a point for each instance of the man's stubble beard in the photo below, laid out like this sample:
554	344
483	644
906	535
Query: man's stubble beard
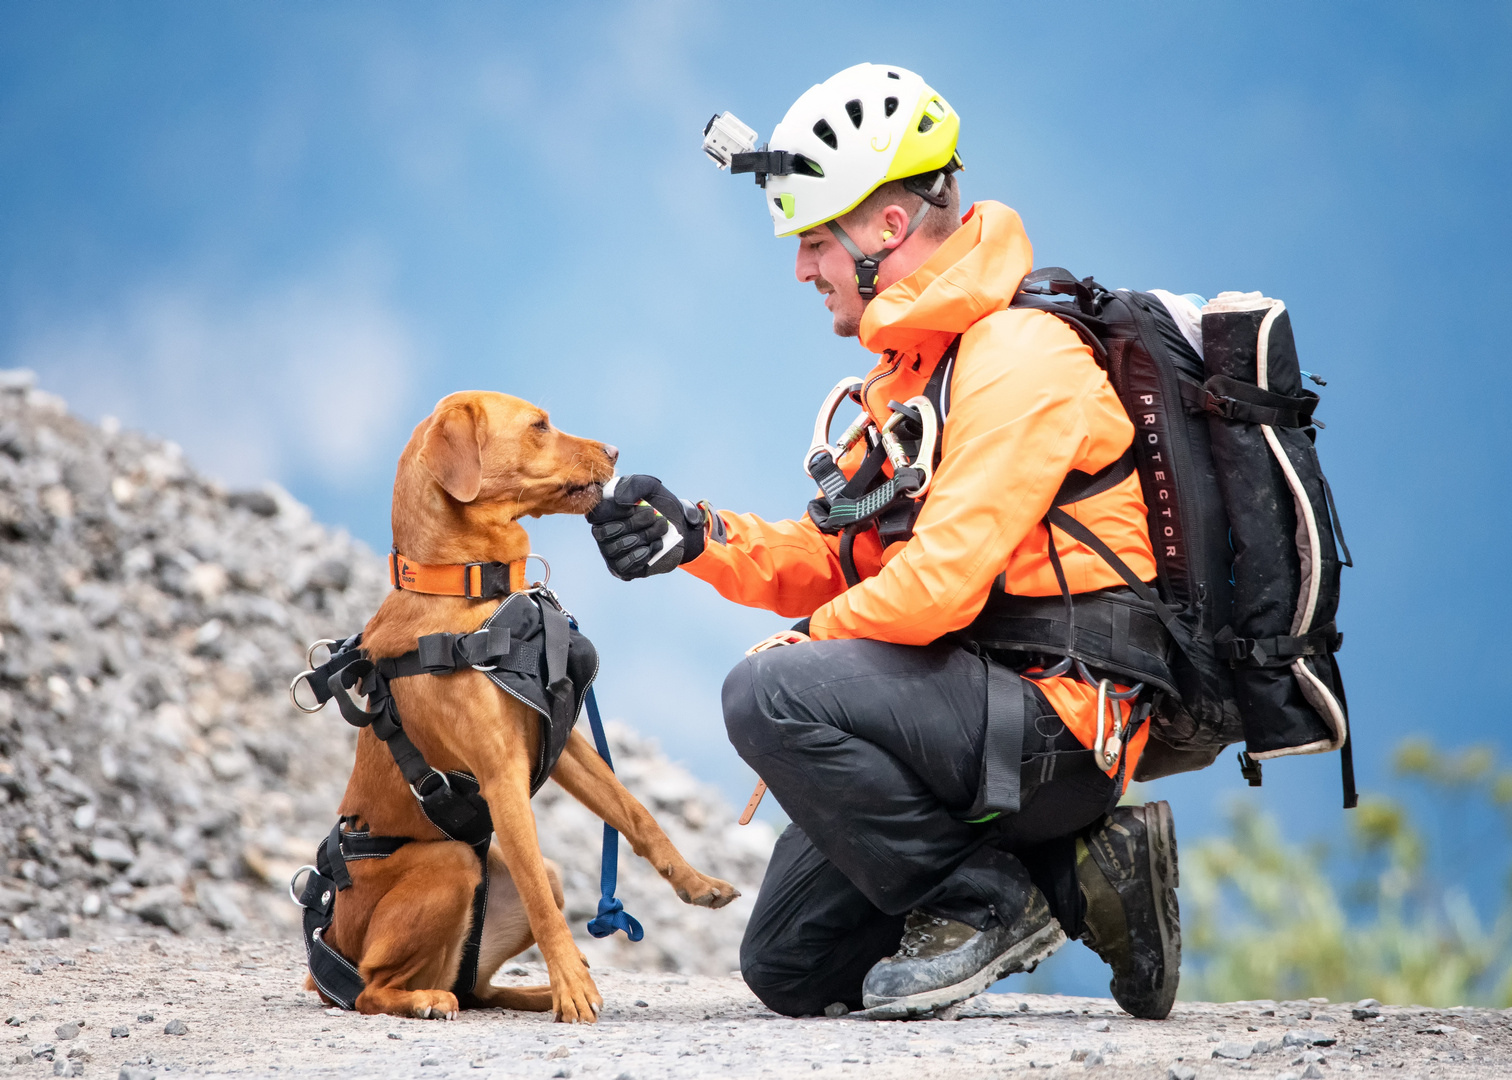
845	324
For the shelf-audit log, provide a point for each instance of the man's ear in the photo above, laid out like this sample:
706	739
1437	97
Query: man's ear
453	450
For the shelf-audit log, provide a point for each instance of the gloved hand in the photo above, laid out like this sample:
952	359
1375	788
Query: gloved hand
643	529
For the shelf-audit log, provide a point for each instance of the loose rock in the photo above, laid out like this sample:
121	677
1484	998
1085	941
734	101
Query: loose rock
175	1027
1233	1051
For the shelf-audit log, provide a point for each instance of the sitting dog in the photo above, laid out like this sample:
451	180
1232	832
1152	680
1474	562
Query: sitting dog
472	469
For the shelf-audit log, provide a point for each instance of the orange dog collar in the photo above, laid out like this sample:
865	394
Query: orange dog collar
475	581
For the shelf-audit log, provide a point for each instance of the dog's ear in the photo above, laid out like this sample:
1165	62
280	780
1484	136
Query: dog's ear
453	450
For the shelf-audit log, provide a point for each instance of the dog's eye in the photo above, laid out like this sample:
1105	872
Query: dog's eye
542	424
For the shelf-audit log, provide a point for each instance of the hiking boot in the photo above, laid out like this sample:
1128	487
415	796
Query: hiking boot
1127	871
941	961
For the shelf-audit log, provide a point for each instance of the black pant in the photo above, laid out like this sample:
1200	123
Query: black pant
875	752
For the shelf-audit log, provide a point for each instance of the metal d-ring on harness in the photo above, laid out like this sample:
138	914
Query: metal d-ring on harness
530	648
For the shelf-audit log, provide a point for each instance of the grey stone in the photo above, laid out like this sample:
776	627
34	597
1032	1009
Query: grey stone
64	1032
1099	1025
175	1027
65	1067
116	853
129	1072
1093	1060
258	502
145	1018
1233	1051
120	1031
1181	1071
44	1051
1307	1037
430	1061
1363	1013
836	1009
1312	1072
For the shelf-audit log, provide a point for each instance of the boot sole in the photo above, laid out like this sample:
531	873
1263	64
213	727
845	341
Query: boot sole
1165	874
1026	955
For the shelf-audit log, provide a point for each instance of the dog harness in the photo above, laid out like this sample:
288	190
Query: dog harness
530	648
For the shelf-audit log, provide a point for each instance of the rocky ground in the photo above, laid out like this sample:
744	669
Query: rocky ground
152	770
140	1008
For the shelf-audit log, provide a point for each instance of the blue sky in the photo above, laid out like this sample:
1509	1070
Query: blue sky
277	233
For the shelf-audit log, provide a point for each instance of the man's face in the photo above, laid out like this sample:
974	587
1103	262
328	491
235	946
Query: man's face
829	266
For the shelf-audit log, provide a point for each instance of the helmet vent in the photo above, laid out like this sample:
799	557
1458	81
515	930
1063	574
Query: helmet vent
827	134
809	165
853	109
925	123
890	106
893	75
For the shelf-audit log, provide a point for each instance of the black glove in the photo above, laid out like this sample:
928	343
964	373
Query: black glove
643	529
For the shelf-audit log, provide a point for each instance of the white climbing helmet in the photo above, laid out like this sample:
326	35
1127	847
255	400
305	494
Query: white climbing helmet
848	136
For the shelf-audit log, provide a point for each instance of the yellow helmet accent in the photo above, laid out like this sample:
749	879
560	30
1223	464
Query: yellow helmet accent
929	140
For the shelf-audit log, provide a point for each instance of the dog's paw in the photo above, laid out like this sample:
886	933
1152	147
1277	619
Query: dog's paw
574	997
704	891
433	1005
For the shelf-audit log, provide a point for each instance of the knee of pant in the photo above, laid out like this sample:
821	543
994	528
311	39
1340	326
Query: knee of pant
776	985
751	730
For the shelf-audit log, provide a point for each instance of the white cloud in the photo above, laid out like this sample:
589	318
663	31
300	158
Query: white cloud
309	377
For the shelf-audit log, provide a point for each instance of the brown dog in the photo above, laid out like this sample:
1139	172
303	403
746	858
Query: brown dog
471	470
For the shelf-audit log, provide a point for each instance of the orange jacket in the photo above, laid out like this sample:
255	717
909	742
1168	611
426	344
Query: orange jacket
1028	404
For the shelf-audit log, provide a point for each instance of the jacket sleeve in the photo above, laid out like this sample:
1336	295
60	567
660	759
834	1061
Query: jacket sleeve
789	567
1015	429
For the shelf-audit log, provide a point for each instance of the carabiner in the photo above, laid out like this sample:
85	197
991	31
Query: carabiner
846	387
1104	759
924	460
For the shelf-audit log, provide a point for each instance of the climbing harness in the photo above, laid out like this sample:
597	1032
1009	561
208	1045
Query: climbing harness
530	648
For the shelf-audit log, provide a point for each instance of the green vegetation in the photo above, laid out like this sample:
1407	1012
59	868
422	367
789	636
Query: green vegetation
1266	918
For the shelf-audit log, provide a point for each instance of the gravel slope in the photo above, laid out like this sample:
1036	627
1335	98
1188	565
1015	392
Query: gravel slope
246	1016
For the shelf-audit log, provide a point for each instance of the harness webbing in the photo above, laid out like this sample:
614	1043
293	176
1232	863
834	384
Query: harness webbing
450	801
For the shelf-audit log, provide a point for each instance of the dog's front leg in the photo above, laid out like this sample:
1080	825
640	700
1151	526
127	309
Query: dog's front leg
586	778
503	770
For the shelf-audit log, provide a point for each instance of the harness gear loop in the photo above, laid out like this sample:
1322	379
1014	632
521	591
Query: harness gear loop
542	560
849	503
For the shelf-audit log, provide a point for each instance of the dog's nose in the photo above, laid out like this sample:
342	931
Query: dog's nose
611	452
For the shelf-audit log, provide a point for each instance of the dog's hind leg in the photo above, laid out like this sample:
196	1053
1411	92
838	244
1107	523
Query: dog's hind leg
506	933
413	945
585	776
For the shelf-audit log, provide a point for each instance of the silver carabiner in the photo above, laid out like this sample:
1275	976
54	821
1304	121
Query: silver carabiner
843	389
1099	748
542	560
924	460
294	693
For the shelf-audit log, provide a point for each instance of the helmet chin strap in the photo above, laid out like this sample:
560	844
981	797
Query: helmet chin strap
868	265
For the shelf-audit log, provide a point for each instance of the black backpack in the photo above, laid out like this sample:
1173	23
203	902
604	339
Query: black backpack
1246	537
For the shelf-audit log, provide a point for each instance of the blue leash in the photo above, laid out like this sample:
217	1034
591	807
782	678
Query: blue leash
611	915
